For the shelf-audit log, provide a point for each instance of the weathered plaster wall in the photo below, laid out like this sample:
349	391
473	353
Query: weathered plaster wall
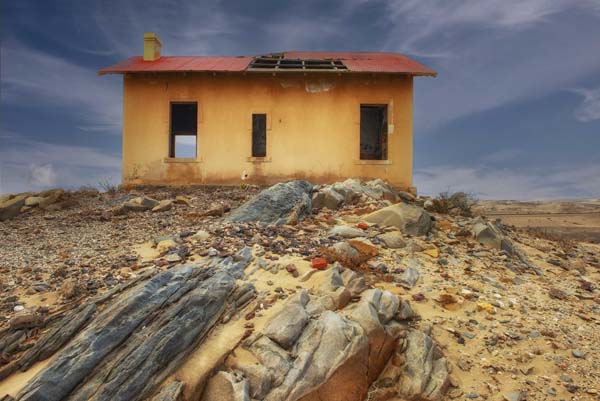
313	129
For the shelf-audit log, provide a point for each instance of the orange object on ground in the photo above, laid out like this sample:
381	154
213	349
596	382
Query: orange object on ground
319	263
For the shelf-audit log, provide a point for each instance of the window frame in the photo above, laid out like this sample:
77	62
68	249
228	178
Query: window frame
173	135
384	133
266	128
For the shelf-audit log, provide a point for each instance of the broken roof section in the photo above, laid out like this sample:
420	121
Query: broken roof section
308	62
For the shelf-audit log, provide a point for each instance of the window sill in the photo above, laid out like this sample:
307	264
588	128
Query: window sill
181	160
251	159
373	162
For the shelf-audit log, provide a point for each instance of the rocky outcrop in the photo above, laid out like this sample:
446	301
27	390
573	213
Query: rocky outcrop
12	206
332	354
416	371
352	191
132	345
409	219
283	203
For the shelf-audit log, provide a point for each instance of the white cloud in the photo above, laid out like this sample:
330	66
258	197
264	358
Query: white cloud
589	109
31	165
42	175
582	181
492	53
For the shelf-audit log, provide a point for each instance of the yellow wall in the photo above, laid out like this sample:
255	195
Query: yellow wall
312	133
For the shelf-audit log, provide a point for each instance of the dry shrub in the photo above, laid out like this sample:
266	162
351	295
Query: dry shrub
107	186
459	203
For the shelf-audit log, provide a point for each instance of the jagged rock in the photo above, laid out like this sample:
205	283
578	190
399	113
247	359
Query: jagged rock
365	248
407	218
26	319
393	239
346	232
417	371
409	278
425	373
282	203
226	386
50	197
259	379
488	235
33	201
140	204
183	200
353	190
405	312
327	197
327	344
11	207
285	327
345	254
137	341
353	282
272	357
171	392
163	206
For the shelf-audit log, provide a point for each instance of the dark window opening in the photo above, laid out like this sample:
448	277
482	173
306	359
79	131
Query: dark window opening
259	135
373	132
183	132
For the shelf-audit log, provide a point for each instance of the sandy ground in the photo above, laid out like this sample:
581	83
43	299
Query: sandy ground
501	333
572	219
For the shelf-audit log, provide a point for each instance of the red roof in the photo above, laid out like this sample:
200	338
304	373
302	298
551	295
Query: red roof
391	63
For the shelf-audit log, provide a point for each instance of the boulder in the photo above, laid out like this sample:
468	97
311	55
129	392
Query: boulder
417	371
393	239
409	219
33	201
283	203
285	327
11	207
345	254
329	345
488	235
50	197
346	232
365	248
327	198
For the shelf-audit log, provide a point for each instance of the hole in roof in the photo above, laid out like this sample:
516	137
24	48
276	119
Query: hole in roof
277	62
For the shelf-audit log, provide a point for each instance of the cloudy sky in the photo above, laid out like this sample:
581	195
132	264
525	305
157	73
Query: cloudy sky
514	112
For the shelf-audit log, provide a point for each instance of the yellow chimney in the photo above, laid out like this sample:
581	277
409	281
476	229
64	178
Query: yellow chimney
152	46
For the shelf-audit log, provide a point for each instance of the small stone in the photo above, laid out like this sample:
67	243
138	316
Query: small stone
514	396
557	293
418	297
163	206
182	200
173	258
433	252
201	235
319	263
578	353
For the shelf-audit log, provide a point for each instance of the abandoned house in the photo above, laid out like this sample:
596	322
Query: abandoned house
320	116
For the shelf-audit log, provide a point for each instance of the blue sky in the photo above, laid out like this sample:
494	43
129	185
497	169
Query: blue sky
513	114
